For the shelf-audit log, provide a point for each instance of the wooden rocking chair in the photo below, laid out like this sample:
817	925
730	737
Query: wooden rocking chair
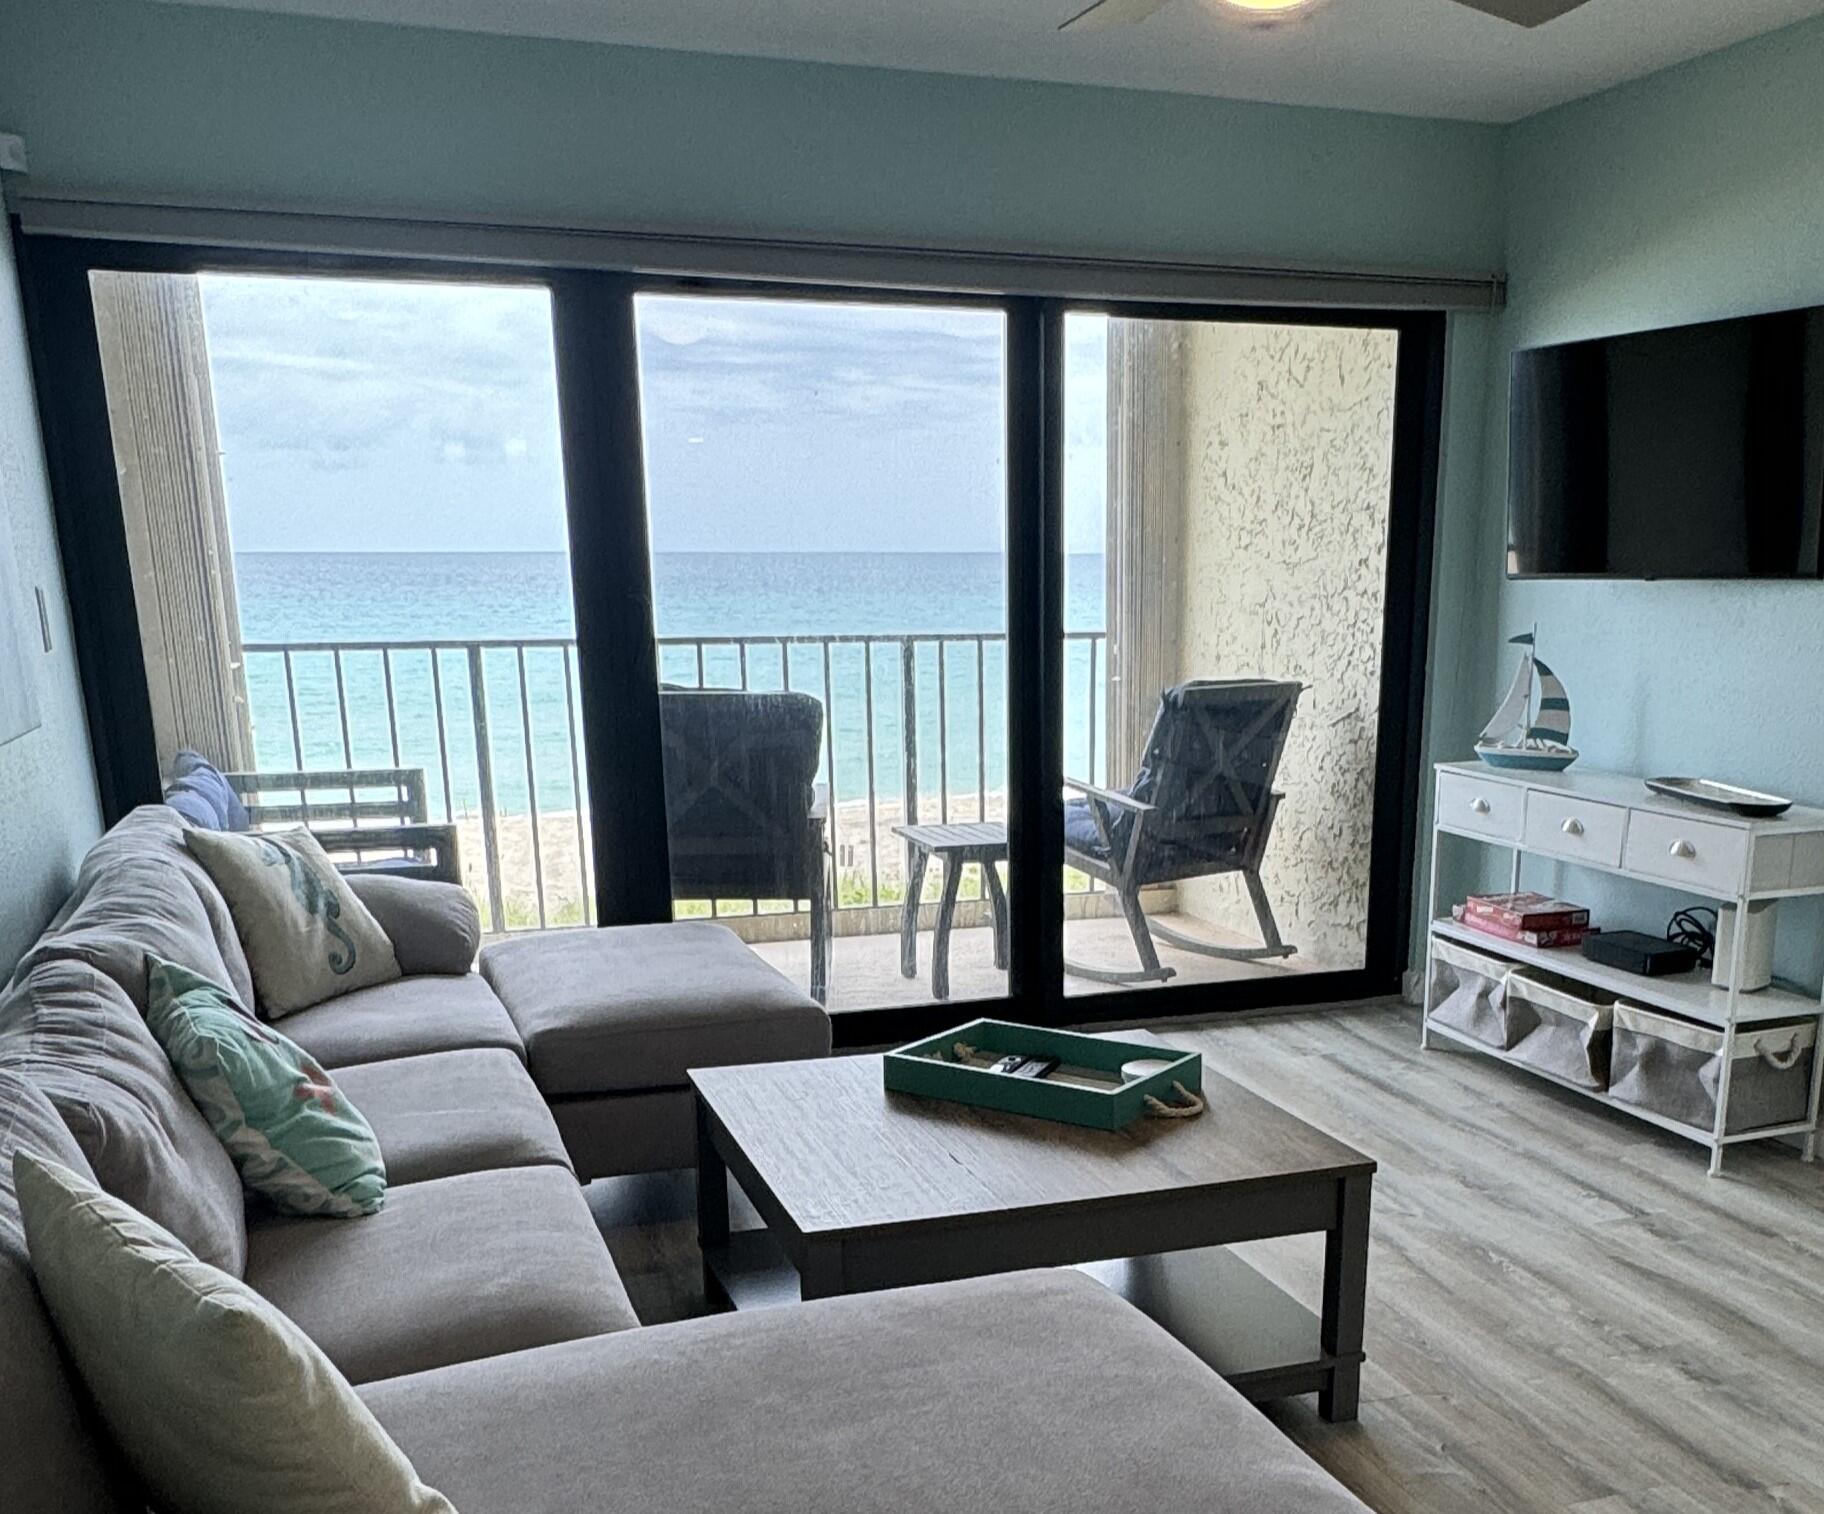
1202	804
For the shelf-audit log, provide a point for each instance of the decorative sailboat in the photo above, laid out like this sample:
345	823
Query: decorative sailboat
1519	736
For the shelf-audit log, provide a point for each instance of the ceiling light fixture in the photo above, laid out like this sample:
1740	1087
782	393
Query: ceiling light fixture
1266	10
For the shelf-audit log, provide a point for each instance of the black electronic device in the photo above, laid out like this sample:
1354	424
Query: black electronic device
1634	952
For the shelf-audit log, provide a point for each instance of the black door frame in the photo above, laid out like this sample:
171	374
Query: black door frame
599	399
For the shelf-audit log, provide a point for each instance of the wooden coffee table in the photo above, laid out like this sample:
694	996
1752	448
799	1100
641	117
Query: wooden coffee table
863	1189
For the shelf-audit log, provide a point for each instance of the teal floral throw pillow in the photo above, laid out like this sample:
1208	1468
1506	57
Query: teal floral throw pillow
293	1135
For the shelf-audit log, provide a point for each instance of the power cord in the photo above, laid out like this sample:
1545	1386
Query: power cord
1687	928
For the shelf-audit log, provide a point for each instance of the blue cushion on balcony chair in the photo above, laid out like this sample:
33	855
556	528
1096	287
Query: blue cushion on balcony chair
203	796
1080	829
1080	833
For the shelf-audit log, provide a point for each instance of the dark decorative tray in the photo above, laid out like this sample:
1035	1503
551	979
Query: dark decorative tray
1721	796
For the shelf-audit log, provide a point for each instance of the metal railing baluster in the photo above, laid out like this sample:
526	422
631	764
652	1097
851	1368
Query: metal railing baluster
908	727
392	707
829	772
943	742
525	731
867	685
484	778
348	755
583	839
297	736
443	736
981	732
1092	711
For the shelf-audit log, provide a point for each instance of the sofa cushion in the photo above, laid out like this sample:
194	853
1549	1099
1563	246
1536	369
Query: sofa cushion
218	1402
1027	1393
72	1468
307	937
450	1270
292	1134
140	890
76	1035
454	1111
636	1006
434	927
404	1019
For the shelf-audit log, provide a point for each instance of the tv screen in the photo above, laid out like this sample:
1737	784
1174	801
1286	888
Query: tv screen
1692	452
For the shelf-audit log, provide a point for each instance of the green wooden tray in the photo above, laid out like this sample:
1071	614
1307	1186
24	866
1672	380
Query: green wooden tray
928	1068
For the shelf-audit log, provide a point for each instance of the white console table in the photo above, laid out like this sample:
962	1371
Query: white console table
1612	822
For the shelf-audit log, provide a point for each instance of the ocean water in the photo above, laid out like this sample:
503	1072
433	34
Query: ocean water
393	704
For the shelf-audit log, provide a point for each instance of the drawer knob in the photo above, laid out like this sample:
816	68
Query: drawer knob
1572	827
1478	806
1683	849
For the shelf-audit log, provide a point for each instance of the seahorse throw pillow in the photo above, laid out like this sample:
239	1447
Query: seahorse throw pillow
307	937
294	1137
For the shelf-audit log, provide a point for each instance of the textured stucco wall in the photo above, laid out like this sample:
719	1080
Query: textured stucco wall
1289	438
48	808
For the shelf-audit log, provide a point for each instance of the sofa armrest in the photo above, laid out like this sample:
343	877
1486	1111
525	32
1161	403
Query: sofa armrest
434	927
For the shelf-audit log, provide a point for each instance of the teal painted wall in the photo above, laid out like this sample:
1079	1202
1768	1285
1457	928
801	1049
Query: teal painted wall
1695	194
49	814
221	105
138	99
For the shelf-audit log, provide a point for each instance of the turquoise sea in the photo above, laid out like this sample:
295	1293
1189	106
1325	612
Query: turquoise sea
409	599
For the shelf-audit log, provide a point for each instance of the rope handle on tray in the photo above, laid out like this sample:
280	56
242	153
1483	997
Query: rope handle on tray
1188	1107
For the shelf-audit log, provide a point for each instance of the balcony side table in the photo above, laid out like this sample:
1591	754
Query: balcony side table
955	846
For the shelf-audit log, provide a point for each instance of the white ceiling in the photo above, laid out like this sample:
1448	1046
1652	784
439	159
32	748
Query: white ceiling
1409	57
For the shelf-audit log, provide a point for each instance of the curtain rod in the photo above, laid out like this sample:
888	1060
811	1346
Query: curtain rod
958	270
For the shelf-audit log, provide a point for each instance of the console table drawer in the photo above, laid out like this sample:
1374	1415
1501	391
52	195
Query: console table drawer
1489	809
1578	829
1699	855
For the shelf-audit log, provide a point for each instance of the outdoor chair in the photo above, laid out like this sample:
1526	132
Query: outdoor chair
745	813
369	820
1202	804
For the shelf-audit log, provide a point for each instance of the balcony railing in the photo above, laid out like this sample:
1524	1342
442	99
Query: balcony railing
914	728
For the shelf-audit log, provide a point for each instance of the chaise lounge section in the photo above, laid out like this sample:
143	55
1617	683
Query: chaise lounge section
480	1314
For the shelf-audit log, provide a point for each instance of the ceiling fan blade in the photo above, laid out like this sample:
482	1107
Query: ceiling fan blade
1107	13
1524	12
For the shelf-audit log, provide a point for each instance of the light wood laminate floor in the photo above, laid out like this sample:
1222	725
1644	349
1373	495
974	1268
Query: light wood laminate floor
1564	1313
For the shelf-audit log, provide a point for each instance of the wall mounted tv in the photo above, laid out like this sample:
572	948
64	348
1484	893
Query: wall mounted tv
1691	452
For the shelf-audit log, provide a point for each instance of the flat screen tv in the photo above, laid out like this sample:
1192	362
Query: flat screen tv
1691	452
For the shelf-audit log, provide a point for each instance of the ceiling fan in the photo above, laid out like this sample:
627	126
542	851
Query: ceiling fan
1107	13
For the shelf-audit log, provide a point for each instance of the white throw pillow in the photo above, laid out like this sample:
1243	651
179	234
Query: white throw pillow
307	937
217	1401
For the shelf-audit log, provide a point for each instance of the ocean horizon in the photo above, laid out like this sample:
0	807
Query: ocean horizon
417	597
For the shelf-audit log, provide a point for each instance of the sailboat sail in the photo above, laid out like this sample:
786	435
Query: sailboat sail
1513	712
1553	722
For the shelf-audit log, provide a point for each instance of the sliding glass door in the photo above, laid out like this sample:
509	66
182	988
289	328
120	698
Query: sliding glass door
1227	511
826	493
343	510
1076	648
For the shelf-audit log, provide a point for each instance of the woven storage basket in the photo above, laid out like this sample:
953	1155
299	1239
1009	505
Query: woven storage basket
1674	1068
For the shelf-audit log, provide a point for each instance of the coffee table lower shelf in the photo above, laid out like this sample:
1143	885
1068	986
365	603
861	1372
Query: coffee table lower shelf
1260	1339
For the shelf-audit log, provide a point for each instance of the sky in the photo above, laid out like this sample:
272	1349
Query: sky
365	416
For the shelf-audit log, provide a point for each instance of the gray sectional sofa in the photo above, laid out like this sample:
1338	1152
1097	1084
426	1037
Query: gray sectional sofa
479	1313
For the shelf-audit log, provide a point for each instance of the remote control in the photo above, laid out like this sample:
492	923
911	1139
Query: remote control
1035	1067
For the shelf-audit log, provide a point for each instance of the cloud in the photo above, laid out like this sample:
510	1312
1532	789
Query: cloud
395	415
